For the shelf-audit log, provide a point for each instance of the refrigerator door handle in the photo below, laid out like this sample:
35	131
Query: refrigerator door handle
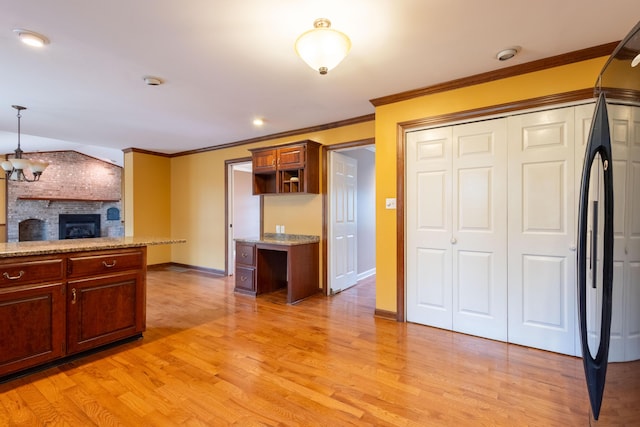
599	145
594	246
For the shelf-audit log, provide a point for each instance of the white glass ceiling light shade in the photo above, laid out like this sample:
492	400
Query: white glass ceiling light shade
323	47
31	38
14	168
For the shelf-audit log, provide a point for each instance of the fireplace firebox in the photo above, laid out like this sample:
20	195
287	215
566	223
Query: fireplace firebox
79	226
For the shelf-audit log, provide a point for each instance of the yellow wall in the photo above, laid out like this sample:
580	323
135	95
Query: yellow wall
147	201
198	199
548	82
197	193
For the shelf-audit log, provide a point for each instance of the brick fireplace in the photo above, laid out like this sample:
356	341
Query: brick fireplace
73	184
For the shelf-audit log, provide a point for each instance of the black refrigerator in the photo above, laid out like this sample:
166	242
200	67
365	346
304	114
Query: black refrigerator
609	243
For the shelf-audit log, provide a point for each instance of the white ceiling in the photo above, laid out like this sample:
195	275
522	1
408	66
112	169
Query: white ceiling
225	62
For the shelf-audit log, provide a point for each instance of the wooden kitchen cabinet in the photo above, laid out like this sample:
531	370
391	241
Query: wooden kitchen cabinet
57	305
108	303
286	169
32	324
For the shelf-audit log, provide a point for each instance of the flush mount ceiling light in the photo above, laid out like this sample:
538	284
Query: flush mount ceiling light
31	38
323	47
636	61
14	168
506	54
152	81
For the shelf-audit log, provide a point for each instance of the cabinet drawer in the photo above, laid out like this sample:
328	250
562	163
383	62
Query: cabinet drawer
245	280
291	157
19	273
245	254
104	263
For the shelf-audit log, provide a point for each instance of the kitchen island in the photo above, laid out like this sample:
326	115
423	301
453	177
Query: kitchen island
277	261
62	298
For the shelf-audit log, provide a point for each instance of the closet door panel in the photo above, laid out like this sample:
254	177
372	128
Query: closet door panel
428	231
479	237
541	193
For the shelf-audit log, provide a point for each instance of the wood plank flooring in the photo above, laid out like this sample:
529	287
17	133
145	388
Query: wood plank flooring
213	358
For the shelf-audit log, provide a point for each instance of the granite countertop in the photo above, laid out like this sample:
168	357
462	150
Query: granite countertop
282	239
45	247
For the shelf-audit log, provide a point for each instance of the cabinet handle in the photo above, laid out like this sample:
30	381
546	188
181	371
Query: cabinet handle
243	255
74	296
106	264
243	278
7	276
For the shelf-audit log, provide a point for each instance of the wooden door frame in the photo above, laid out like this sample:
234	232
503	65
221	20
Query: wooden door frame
227	164
361	143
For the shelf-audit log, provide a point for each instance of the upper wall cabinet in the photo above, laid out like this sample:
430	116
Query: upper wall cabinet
286	169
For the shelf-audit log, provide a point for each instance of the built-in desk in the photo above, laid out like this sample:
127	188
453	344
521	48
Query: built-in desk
277	261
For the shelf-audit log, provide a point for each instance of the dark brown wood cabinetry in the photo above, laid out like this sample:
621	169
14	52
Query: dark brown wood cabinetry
246	268
286	169
266	266
59	305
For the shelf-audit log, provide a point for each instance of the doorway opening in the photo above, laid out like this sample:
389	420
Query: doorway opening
350	213
244	210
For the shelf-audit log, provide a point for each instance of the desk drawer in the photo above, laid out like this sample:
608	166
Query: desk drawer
246	253
20	273
245	280
105	263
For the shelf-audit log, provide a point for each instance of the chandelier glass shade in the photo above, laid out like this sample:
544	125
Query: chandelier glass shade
323	47
14	168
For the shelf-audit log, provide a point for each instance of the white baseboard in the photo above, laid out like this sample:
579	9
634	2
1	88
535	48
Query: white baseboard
366	274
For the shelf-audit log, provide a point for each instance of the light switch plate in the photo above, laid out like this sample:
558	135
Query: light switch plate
390	203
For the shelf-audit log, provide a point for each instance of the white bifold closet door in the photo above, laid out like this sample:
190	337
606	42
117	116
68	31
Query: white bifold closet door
457	228
542	230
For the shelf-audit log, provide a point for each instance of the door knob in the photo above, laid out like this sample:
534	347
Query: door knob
572	248
453	241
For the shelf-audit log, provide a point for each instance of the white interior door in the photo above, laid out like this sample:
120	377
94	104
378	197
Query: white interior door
479	239
456	228
343	225
541	234
428	227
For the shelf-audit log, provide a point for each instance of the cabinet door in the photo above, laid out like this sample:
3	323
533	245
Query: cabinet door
291	157
264	161
104	309
32	331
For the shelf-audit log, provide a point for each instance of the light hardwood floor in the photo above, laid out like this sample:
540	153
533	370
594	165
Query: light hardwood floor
210	357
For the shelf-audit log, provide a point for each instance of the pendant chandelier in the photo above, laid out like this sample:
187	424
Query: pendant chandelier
323	47
14	168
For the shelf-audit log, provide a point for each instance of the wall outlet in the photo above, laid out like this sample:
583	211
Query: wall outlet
390	203
282	229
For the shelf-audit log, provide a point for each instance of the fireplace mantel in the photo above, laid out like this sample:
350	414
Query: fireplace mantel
63	199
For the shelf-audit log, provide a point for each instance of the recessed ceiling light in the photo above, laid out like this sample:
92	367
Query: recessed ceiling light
258	121
31	38
508	53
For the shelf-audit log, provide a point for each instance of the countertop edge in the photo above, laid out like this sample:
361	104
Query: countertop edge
281	239
49	247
